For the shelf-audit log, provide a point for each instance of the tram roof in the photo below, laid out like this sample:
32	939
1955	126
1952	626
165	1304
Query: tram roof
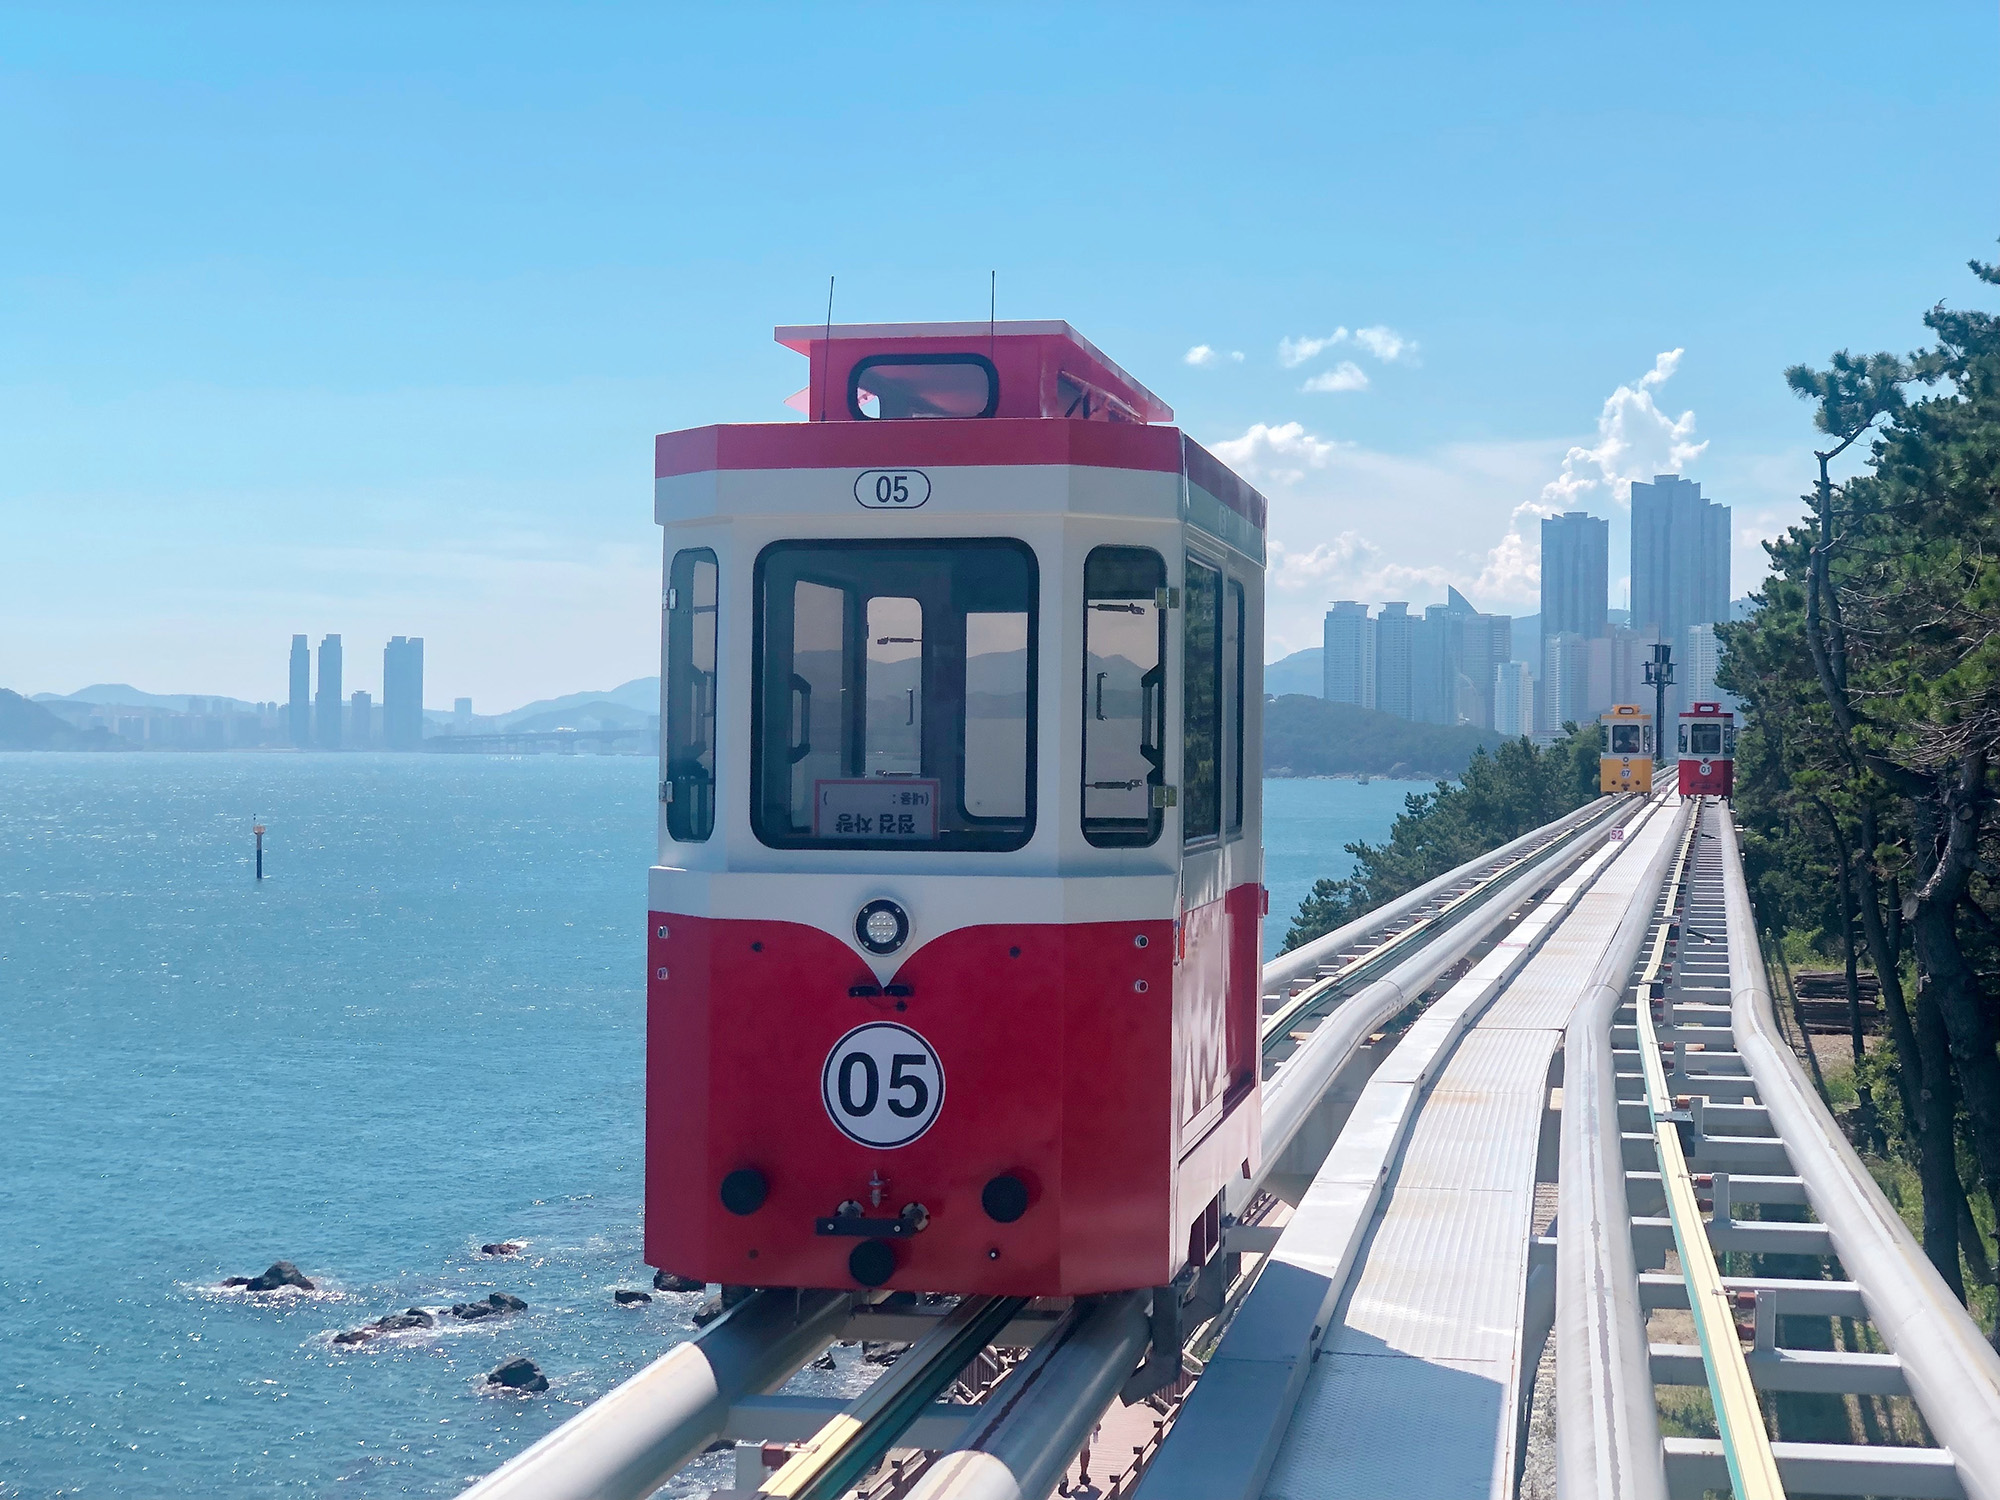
975	337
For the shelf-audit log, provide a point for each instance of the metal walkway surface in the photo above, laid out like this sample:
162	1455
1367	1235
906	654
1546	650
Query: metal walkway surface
1418	1388
1381	1351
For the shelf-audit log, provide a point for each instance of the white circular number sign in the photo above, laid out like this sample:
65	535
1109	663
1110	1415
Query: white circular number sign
882	1085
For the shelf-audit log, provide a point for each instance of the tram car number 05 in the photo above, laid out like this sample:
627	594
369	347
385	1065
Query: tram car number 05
882	1085
893	489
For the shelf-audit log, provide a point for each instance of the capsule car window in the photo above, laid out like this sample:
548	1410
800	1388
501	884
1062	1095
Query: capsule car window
1624	739
894	695
689	774
1124	695
899	387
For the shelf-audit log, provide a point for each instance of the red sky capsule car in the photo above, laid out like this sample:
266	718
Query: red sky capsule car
953	948
1707	751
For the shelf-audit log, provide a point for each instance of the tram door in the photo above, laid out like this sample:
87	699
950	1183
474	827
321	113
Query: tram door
1208	1056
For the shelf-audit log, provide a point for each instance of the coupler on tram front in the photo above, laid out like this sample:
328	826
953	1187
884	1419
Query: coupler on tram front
953	946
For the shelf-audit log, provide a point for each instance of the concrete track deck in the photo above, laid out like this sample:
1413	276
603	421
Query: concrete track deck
1417	1389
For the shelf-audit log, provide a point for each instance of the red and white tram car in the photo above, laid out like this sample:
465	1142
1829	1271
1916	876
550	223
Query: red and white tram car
953	948
1708	751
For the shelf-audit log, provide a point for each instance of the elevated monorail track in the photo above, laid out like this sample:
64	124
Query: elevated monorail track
1397	1275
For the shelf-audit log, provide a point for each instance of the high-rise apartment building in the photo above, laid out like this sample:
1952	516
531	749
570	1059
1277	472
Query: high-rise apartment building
299	710
360	720
1347	660
461	715
1514	698
403	693
1704	658
1565	681
1395	642
1576	574
1680	567
327	707
1485	642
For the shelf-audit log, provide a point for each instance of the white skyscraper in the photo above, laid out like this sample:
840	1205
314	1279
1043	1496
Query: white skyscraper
1348	659
1703	660
1514	698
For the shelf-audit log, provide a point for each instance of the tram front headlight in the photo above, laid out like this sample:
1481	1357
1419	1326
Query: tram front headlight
882	927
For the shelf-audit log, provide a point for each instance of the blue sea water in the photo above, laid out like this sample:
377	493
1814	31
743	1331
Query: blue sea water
423	1031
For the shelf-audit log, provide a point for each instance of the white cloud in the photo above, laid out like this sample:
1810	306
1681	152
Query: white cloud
1384	343
1635	440
1345	376
1236	355
1279	455
1294	352
1200	354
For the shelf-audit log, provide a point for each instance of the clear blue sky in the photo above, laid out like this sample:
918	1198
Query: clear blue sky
361	318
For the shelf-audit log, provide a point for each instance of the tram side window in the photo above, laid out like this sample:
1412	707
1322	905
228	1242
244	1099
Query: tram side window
1625	739
1703	738
1201	704
690	770
1233	621
894	695
1124	695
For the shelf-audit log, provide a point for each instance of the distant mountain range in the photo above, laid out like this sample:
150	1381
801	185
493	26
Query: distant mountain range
628	703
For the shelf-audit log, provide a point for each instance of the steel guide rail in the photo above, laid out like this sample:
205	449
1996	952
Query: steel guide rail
1746	1445
1712	1089
1387	942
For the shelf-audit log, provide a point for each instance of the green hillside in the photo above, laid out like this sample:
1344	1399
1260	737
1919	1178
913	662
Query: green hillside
1306	736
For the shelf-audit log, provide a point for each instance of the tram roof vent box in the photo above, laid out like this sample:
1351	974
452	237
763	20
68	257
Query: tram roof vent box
874	371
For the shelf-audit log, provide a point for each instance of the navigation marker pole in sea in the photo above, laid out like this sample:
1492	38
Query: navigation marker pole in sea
258	829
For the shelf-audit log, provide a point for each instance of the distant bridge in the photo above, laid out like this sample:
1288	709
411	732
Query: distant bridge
564	740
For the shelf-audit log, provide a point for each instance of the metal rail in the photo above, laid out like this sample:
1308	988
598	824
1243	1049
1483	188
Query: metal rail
1607	1424
1710	1096
1239	1415
1746	1446
1952	1372
1369	946
846	1447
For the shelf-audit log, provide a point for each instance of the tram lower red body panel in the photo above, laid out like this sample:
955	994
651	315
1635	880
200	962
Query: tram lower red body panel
1057	1049
1707	778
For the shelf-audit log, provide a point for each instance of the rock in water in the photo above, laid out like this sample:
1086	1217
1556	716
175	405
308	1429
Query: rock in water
625	1298
667	1281
519	1374
279	1273
883	1353
824	1362
503	1247
498	1302
236	1281
708	1312
354	1336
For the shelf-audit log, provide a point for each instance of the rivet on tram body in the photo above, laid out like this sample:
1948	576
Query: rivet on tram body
660	973
1140	986
1139	941
663	929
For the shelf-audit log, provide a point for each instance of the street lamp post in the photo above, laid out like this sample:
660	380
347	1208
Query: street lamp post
1660	677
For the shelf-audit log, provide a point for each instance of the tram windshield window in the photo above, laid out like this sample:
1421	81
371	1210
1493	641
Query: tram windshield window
900	386
1124	695
1201	704
1232	656
690	693
1703	738
894	695
1625	739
